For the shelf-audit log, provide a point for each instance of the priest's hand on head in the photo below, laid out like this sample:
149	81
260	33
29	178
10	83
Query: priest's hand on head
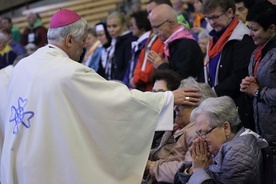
186	96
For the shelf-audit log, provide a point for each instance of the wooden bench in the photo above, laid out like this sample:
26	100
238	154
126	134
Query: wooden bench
97	13
47	8
81	6
92	10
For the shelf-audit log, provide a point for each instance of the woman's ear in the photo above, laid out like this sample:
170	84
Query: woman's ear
227	128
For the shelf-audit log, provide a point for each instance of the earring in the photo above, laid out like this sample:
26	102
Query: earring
227	137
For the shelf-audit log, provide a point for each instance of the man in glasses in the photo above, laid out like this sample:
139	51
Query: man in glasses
144	69
181	52
228	54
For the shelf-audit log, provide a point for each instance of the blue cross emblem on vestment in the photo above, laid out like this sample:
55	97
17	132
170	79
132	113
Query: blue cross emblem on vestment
19	115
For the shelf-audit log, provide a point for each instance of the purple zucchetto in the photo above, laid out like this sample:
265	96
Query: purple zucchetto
63	17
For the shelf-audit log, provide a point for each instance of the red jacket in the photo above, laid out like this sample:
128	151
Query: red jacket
142	78
39	37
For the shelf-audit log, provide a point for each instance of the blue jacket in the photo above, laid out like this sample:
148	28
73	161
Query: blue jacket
95	59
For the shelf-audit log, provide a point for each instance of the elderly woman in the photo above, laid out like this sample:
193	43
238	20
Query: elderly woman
169	155
260	84
35	32
224	152
203	39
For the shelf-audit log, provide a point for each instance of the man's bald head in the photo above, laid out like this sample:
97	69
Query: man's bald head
163	19
163	12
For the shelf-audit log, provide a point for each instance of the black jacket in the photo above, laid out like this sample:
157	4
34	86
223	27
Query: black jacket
122	55
185	58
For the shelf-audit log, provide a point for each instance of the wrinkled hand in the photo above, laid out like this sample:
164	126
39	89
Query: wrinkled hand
181	94
155	59
201	157
249	85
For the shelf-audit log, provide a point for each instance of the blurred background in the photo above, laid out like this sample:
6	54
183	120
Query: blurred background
93	10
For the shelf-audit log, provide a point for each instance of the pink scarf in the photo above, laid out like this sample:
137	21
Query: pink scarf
179	33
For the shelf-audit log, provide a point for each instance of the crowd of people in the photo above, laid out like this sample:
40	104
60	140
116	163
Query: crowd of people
15	44
182	92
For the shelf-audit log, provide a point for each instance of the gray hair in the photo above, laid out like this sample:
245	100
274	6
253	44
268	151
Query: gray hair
59	34
205	90
204	34
218	111
3	37
33	15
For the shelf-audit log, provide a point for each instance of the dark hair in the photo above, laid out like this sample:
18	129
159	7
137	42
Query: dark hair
142	21
106	45
172	78
158	2
210	5
263	13
247	3
8	19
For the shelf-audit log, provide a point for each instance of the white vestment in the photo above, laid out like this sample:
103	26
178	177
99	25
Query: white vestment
4	81
67	125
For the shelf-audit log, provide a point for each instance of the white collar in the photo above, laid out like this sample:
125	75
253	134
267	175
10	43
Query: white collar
143	37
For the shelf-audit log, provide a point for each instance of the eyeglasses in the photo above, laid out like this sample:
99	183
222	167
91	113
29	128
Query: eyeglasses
156	27
214	17
204	135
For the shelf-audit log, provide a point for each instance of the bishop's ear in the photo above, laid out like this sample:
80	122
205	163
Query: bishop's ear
69	40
